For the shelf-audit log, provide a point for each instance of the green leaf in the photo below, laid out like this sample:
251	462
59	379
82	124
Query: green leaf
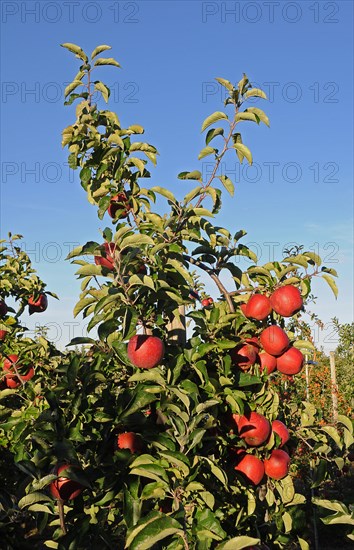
194	175
303	544
261	115
152	529
332	432
240	147
218	115
255	92
226	83
192	194
72	87
238	543
33	498
314	257
331	282
150	471
107	61
213	132
304	344
228	184
246	116
206	152
164	192
103	89
90	269
137	239
73	48
100	49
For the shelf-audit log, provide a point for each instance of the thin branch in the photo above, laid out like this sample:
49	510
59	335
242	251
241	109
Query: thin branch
215	278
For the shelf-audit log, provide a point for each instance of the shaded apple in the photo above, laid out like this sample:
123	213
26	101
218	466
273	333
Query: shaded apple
268	362
65	488
3	308
251	467
274	340
277	465
11	378
37	305
258	307
131	441
244	355
281	430
119	202
254	428
286	300
290	362
107	258
145	351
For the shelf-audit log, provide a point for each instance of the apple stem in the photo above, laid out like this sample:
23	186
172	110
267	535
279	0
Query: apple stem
62	515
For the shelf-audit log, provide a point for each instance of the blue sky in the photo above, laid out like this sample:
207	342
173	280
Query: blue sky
300	188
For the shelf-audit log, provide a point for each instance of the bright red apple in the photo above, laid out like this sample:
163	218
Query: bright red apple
11	378
268	362
244	355
129	440
3	308
3	334
286	300
290	362
274	340
277	465
281	430
243	308
119	202
37	305
107	259
254	428
65	488
258	307
251	467
144	351
205	302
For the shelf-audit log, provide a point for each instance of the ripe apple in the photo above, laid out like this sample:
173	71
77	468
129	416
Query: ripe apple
37	305
205	302
11	378
274	340
281	430
65	488
267	361
258	307
244	355
145	351
107	260
286	300
3	308
254	428
131	441
119	202
290	362
277	465
3	335
243	308
251	467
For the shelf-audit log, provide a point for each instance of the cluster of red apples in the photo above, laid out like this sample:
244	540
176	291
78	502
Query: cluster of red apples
15	372
256	431
277	352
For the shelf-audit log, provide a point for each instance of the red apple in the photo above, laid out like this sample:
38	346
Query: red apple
3	308
65	488
107	260
205	302
3	334
251	467
281	430
290	362
211	301
129	440
11	378
274	340
119	202
145	351
37	305
258	307
277	465
268	362
254	428
286	300
243	308
244	356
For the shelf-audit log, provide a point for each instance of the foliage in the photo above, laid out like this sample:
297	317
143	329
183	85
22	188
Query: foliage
180	490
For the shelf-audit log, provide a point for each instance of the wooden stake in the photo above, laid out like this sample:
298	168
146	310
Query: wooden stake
177	328
334	388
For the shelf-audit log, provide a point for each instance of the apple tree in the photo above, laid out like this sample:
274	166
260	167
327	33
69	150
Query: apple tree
167	430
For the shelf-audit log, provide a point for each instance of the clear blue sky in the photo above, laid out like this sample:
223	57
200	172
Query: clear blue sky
301	187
